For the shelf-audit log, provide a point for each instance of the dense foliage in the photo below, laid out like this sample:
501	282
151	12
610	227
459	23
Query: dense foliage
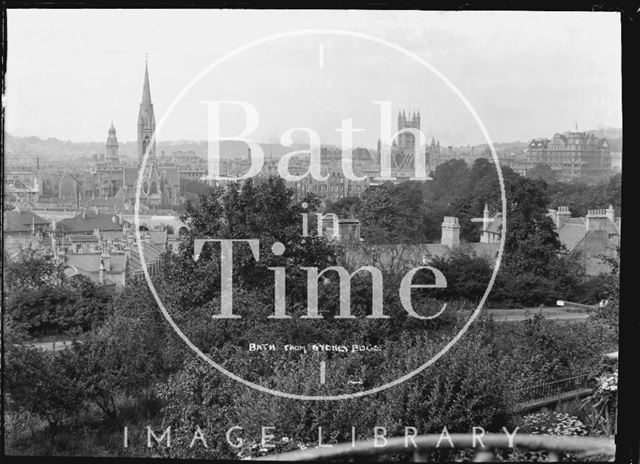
130	368
40	296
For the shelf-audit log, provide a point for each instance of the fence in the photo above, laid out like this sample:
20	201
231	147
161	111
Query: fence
555	389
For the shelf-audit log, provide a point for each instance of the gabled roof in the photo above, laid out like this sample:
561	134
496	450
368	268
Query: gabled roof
172	175
88	221
570	234
151	253
488	251
67	174
21	221
495	225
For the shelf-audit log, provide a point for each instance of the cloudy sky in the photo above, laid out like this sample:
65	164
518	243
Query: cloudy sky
70	73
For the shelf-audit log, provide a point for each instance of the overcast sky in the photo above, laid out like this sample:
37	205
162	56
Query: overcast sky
70	73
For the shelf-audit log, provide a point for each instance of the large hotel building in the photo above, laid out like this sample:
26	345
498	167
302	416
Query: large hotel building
572	155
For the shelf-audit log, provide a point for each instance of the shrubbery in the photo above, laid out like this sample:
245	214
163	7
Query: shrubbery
129	353
39	296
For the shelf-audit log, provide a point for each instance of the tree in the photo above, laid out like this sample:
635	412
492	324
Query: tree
581	197
43	383
77	306
536	267
33	269
532	243
467	276
265	212
392	213
346	207
543	172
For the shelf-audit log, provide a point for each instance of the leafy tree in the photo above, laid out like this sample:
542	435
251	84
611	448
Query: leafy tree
75	307
43	383
265	212
581	197
543	172
121	357
346	207
33	269
44	310
467	276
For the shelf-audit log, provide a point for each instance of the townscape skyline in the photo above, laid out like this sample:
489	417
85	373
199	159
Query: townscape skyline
585	61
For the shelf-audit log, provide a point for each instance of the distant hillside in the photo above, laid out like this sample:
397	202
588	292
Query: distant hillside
54	149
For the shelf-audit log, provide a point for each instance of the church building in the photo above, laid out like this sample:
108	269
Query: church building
115	182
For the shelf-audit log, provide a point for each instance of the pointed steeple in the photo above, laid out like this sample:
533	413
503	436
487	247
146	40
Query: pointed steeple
146	120
146	90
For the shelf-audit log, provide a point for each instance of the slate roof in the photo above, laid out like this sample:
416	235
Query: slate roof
112	235
110	201
571	234
20	221
68	174
489	251
417	255
90	262
88	221
151	252
596	244
130	176
83	238
172	174
158	237
495	226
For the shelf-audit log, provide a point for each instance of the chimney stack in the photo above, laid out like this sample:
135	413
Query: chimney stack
101	273
562	213
349	231
596	219
450	232
611	214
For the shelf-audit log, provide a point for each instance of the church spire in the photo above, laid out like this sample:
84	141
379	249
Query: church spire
146	90
146	120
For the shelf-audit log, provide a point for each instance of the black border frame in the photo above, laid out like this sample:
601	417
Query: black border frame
628	437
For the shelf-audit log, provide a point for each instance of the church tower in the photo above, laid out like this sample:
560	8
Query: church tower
112	145
146	121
